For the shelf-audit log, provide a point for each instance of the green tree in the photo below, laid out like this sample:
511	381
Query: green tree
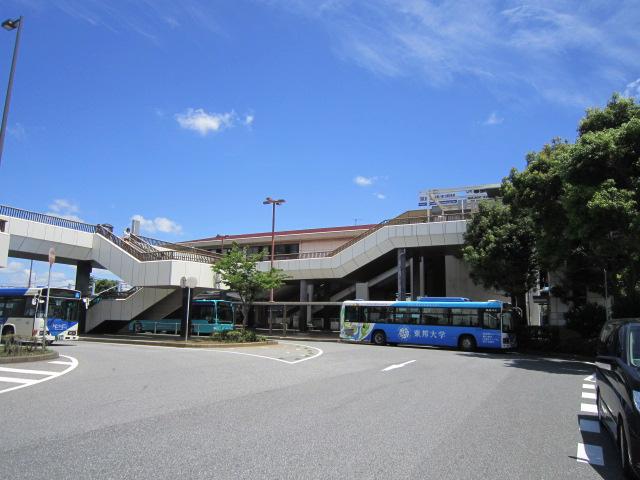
238	270
500	250
102	284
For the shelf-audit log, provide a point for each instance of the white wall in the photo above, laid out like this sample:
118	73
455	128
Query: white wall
4	249
459	283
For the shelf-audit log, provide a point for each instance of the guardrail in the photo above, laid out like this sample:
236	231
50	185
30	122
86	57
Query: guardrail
111	294
47	219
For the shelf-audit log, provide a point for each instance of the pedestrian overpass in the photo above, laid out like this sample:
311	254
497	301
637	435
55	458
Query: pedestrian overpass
155	268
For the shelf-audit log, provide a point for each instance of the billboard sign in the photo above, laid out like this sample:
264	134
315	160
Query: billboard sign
451	198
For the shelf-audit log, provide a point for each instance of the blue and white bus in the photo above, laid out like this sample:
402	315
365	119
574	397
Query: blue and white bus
22	312
454	322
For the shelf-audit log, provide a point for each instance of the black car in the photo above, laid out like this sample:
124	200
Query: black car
618	388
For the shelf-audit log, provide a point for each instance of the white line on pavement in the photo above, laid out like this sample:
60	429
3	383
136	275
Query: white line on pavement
590	454
588	408
26	381
399	365
590	378
24	370
58	362
72	364
319	352
588	386
590	426
589	395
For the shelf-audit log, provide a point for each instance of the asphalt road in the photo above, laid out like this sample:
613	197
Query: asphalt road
151	412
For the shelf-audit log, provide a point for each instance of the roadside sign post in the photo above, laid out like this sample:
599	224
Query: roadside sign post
52	260
188	283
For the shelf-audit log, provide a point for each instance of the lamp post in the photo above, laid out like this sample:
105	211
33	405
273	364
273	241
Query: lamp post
10	25
273	203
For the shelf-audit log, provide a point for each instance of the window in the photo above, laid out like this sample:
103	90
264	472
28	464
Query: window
351	313
465	317
435	316
12	307
375	314
406	315
634	346
225	312
491	319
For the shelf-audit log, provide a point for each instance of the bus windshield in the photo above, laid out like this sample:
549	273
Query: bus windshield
507	322
63	309
225	312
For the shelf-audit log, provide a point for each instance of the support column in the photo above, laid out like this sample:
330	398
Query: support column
416	278
421	291
302	314
362	291
402	274
83	283
309	307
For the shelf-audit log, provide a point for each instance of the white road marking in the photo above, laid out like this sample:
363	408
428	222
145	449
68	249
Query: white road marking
590	378
26	381
399	365
590	426
24	370
588	386
589	395
72	364
588	408
58	362
590	454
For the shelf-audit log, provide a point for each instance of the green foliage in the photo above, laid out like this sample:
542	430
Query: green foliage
586	319
102	284
500	249
237	336
238	270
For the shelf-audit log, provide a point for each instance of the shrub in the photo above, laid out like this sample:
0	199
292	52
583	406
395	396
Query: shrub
586	319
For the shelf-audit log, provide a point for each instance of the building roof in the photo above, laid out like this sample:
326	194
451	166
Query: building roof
283	233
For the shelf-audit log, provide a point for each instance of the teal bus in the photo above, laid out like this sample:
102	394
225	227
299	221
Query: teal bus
206	316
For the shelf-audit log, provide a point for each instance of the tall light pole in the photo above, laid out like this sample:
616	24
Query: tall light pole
10	25
273	203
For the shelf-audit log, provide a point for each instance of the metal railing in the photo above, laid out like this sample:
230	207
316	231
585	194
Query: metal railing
175	246
47	219
111	294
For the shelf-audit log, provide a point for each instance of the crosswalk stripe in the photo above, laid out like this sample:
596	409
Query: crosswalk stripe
588	386
590	378
25	370
588	408
590	426
17	380
589	395
590	454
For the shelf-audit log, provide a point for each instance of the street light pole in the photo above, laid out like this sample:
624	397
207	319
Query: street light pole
10	25
273	203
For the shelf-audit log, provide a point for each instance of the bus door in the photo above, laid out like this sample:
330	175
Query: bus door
491	328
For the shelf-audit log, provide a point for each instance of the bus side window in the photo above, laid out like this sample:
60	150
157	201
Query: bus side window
351	313
406	315
465	317
435	316
374	314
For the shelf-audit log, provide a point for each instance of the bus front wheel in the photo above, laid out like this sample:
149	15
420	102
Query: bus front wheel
467	343
379	338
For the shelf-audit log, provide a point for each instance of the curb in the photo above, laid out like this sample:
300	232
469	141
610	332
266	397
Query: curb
305	339
30	358
177	344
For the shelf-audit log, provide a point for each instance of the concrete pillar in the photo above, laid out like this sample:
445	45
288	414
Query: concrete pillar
362	291
309	299
83	283
417	282
302	316
402	273
421	290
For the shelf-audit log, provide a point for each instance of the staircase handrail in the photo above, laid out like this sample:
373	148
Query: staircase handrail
109	293
176	246
47	219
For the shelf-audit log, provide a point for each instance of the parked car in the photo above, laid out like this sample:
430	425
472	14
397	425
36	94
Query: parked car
618	389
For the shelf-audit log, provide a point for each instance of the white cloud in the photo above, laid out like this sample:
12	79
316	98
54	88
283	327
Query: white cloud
248	119
364	181
564	51
204	122
158	224
64	209
16	274
380	196
633	89
17	131
493	119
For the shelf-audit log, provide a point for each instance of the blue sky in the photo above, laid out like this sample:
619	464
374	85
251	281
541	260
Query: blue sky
187	114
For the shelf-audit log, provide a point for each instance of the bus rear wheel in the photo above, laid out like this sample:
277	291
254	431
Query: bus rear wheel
379	338
467	343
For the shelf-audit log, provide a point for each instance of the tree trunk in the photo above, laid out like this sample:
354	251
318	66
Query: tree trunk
245	315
